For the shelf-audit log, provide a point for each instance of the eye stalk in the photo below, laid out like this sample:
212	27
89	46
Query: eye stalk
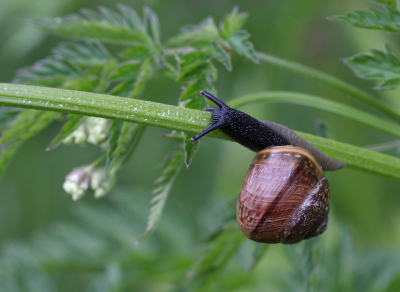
211	97
216	123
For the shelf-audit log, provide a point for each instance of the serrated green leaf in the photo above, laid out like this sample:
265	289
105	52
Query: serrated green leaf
162	187
388	84
381	66
305	258
126	71
341	266
152	24
141	80
206	30
251	252
137	52
7	114
387	19
81	84
193	71
193	66
192	91
215	258
106	26
115	133
233	22
389	3
105	76
101	31
220	54
88	81
51	71
130	17
83	52
21	124
190	149
25	125
259	250
240	43
216	51
74	121
112	17
123	88
123	148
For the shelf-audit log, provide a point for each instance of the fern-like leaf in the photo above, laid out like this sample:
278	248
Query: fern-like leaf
52	71
122	142
206	30
74	121
25	125
83	52
240	43
215	258
390	3
387	19
383	66
162	187
105	26
233	22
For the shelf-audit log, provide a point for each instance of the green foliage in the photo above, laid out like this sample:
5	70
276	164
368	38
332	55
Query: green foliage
99	247
122	142
203	274
233	22
162	187
386	20
25	125
73	122
381	66
106	26
340	267
389	3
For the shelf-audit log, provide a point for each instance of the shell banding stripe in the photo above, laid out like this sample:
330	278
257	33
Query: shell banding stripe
276	185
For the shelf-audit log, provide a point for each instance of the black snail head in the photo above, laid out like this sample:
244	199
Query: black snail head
285	196
240	127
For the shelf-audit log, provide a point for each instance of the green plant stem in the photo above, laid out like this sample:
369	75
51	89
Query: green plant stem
333	107
331	81
173	118
106	106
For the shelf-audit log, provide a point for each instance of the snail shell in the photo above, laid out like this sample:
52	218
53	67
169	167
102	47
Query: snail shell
285	195
284	198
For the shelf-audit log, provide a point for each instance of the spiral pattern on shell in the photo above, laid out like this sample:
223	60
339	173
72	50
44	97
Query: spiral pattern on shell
285	197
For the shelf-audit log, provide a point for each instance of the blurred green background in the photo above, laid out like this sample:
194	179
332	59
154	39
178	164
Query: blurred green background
32	200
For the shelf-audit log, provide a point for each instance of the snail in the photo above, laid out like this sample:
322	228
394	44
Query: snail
285	195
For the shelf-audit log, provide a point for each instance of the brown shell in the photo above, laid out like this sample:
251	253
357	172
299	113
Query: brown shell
284	197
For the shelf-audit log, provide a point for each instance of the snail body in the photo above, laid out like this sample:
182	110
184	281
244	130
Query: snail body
285	195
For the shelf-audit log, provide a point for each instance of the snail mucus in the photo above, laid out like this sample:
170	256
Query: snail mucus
285	195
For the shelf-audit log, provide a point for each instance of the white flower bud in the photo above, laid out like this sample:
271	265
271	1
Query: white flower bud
80	136
97	130
77	137
97	178
105	187
77	182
